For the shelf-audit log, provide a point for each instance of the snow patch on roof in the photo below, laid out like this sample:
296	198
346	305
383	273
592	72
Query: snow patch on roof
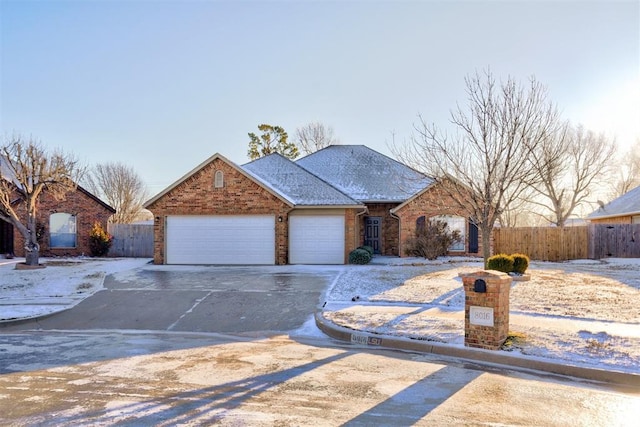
627	204
364	174
295	183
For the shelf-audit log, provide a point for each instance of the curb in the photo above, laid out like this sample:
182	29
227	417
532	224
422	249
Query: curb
478	355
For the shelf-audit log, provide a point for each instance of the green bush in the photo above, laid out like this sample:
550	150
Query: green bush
520	263
359	256
501	262
368	249
99	241
432	240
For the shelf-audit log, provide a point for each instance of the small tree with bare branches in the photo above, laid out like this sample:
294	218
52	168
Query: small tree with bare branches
28	170
486	165
314	136
121	187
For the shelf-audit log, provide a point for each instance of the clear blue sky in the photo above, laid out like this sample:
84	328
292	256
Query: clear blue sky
163	85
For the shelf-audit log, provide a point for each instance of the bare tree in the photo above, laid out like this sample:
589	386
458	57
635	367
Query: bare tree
121	187
485	166
314	136
570	166
28	170
628	172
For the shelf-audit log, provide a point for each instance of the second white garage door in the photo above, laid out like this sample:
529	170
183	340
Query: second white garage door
241	239
316	239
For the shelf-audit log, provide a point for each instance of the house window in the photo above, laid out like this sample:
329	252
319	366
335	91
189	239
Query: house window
635	219
62	230
455	223
218	180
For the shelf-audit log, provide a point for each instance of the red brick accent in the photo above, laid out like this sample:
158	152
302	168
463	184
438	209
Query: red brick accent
352	235
240	195
87	209
496	297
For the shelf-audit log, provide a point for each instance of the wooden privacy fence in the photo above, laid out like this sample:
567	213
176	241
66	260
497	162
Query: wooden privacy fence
131	240
593	241
614	240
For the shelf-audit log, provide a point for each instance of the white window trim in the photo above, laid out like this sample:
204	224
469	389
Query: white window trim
218	179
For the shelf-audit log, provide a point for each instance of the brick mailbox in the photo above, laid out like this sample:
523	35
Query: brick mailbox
486	308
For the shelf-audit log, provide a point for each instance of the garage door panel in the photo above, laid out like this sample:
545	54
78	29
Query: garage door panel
241	239
316	239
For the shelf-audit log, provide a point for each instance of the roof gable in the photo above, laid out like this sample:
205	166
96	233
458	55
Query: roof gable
295	183
204	164
365	174
627	204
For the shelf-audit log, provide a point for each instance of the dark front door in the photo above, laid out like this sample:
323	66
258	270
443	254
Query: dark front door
372	226
6	238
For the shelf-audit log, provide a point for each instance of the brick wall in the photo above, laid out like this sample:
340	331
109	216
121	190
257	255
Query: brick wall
496	298
433	202
352	234
240	195
79	203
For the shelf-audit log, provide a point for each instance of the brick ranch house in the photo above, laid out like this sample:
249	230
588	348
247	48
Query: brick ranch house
65	224
311	211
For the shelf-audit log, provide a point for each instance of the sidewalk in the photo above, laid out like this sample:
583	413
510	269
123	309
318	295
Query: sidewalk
432	318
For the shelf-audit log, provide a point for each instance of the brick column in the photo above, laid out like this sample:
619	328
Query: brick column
486	314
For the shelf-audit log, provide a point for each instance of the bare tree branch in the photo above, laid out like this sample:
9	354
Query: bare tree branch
486	165
26	171
314	137
121	187
570	166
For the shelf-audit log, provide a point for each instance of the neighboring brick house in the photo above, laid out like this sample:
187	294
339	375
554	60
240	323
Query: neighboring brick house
622	210
312	211
65	224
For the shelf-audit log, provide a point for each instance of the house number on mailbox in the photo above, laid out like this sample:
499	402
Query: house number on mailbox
482	316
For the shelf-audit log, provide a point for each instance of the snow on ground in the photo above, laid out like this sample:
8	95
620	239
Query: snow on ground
62	284
582	312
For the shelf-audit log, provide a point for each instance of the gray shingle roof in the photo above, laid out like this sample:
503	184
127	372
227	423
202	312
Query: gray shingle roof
296	184
627	204
364	174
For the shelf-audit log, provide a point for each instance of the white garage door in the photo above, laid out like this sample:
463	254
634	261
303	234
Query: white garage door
316	239
242	239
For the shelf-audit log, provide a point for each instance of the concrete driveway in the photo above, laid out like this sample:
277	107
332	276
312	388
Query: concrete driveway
237	300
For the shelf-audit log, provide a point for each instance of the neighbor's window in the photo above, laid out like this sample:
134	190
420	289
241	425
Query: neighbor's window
635	219
218	180
62	230
455	223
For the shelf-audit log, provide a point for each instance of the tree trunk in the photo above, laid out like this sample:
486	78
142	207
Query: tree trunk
486	243
32	257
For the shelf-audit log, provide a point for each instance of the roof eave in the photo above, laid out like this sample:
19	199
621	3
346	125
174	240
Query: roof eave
302	206
615	215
